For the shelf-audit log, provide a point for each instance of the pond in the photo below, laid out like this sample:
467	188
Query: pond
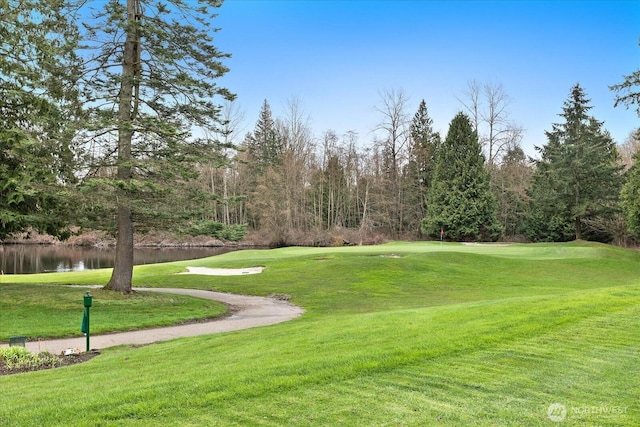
23	259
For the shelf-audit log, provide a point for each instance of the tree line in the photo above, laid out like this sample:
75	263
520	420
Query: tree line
113	120
474	183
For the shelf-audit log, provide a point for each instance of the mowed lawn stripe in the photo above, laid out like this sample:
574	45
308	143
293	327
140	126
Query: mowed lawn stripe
506	384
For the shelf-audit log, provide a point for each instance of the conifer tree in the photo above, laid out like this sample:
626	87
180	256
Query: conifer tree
549	218
262	155
38	69
150	85
628	94
630	196
264	147
578	178
419	170
460	202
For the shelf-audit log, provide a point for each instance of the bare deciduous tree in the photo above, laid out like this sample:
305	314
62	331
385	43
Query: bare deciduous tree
298	147
220	176
393	139
471	101
629	148
488	106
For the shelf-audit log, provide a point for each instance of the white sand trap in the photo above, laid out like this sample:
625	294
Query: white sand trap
223	271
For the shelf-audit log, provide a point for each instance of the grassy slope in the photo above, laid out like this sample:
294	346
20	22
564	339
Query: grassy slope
452	335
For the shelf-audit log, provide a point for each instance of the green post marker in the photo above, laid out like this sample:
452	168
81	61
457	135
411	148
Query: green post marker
88	301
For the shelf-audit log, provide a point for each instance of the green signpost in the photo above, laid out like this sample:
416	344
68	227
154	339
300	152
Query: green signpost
88	302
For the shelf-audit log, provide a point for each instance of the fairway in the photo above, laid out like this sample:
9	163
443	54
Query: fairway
396	334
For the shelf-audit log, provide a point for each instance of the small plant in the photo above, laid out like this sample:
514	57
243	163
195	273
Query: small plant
13	355
19	358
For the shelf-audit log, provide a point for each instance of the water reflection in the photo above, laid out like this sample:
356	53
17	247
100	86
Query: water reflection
21	259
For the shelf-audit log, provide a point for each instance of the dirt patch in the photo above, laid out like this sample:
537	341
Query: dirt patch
391	256
280	297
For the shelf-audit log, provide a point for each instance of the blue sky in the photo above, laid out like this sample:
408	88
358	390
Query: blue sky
336	57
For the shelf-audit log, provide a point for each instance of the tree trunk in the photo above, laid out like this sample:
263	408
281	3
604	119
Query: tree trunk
122	274
578	228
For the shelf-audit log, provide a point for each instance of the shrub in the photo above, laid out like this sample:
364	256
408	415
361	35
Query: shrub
20	358
217	229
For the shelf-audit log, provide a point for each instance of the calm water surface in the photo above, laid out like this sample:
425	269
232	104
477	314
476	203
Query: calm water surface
21	259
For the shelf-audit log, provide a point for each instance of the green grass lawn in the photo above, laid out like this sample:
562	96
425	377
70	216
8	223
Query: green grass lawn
49	311
397	334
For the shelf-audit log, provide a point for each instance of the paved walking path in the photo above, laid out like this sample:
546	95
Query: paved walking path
248	312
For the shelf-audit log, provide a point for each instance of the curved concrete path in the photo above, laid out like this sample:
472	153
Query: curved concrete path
247	312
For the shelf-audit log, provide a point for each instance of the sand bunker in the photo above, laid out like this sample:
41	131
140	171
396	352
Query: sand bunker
223	271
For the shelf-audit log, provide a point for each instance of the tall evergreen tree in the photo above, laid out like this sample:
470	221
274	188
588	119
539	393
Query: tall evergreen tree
578	178
38	69
630	196
264	146
628	92
150	82
549	217
460	202
263	153
419	170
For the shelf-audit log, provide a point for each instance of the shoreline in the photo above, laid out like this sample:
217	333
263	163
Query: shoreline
104	241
